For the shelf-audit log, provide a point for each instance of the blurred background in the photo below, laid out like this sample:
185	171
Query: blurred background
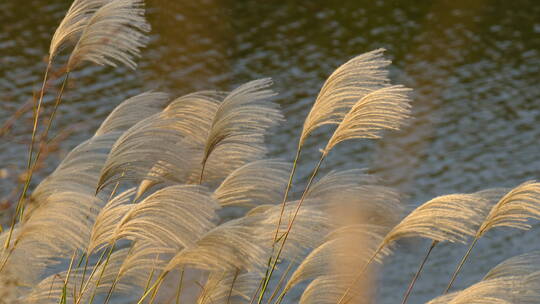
474	67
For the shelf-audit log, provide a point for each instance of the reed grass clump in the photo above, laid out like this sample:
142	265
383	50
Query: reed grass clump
139	212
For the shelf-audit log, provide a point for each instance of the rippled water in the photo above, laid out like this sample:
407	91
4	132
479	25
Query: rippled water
474	66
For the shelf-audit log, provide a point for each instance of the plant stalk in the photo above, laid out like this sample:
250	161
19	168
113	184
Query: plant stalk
179	290
417	274
287	189
19	210
154	286
101	274
359	276
286	234
454	276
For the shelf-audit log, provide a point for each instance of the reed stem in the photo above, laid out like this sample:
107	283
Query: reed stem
19	210
359	276
281	280
37	110
154	286
417	274
454	276
286	234
101	274
232	285
179	290
289	185
63	298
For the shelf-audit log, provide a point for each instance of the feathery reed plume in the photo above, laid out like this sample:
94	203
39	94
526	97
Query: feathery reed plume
349	246
327	289
224	287
491	196
242	118
67	220
217	135
523	264
451	218
108	33
74	22
258	182
503	290
107	220
513	210
385	108
347	84
173	217
71	26
243	244
114	33
133	110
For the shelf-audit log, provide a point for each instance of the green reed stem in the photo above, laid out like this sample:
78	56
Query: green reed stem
101	274
232	285
454	276
280	282
417	274
63	298
37	111
261	282
179	290
94	269
287	189
84	273
154	286
202	172
116	278
19	210
286	235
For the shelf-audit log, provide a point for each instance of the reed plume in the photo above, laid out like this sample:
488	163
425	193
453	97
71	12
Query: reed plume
513	210
215	132
114	33
345	86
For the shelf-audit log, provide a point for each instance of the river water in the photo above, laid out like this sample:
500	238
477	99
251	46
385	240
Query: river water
474	67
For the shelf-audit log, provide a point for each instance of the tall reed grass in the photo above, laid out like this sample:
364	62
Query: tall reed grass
140	212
